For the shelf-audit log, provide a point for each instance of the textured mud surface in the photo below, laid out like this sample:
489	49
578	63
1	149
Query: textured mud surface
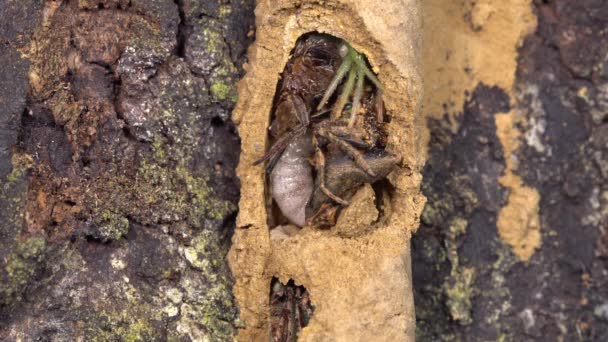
471	285
357	273
117	184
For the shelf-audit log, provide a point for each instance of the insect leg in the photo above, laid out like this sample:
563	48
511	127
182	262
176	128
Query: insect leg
359	138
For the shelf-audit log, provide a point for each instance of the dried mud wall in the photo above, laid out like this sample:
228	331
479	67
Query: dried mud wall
359	284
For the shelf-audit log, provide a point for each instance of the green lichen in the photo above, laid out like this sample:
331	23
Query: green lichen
146	37
203	253
111	226
224	11
159	151
221	90
177	194
459	291
16	174
456	227
458	287
222	81
119	326
206	322
214	307
434	213
64	106
20	267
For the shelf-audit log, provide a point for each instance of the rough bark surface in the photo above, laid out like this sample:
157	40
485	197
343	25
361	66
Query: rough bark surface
469	284
117	185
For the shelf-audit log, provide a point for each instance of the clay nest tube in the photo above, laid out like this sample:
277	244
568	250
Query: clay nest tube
358	277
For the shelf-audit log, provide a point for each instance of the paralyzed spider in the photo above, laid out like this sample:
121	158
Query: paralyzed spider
290	310
310	80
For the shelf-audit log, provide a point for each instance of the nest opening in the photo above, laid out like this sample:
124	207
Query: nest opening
327	134
290	310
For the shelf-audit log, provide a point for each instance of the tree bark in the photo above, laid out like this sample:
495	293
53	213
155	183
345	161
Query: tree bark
118	193
470	284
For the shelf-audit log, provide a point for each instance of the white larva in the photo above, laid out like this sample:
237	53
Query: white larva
291	179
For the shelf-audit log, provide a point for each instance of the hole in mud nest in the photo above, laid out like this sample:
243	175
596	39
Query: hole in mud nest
290	310
383	190
327	133
216	121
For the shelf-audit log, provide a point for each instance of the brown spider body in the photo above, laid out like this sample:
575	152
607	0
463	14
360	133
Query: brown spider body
305	79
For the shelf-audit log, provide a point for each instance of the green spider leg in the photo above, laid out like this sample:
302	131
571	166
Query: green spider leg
354	65
356	99
343	98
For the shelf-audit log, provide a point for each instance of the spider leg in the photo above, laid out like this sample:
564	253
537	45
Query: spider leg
355	136
356	99
342	70
320	113
360	63
379	106
320	167
349	150
277	148
355	66
343	98
301	111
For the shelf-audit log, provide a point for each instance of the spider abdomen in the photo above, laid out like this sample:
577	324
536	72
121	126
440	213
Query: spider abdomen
292	181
